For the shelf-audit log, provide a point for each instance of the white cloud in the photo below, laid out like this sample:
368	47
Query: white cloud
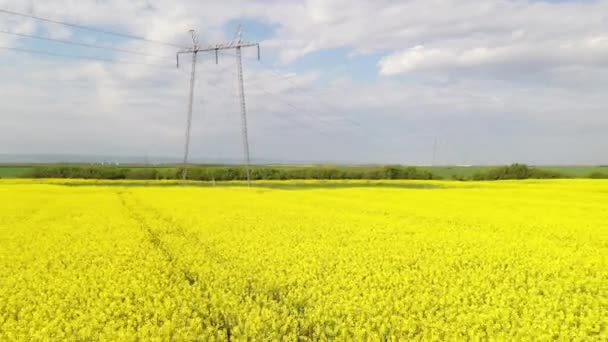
480	75
591	50
411	59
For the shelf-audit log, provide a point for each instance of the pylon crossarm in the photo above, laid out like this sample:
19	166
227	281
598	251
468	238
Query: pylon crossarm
194	50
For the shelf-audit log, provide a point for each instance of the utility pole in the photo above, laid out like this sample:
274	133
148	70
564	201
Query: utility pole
236	44
194	51
245	136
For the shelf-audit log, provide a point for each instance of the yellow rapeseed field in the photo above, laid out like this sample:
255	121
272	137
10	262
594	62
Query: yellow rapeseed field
121	261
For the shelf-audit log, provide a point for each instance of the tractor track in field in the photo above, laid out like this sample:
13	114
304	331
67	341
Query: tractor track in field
173	228
247	294
183	269
154	238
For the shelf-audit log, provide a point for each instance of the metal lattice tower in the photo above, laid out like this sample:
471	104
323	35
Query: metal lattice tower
194	51
237	44
245	136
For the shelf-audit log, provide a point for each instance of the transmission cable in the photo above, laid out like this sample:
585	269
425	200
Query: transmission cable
70	42
46	53
91	29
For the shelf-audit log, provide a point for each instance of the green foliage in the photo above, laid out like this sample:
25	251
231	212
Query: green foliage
320	173
458	177
598	175
83	172
229	173
283	172
237	173
143	173
516	171
398	172
11	171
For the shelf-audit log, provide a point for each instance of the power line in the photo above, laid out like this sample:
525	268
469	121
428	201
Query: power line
243	105
237	44
91	29
308	112
272	111
318	100
315	115
294	120
258	80
289	104
46	53
81	44
289	78
319	118
189	117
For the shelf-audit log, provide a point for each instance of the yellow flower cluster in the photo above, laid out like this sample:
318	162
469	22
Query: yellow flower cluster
445	261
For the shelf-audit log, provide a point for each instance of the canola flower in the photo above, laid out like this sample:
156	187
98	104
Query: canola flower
119	261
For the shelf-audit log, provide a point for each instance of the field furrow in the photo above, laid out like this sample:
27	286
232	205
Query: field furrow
507	260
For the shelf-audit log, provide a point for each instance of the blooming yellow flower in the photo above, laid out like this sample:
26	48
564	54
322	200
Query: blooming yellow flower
400	260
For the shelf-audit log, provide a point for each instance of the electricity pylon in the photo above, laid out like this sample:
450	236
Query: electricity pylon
236	44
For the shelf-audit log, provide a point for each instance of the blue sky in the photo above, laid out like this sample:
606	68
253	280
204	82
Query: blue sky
339	81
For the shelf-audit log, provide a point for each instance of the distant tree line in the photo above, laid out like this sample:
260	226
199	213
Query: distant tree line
228	173
598	175
235	173
517	171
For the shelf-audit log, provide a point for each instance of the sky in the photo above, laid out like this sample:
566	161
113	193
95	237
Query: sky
343	81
